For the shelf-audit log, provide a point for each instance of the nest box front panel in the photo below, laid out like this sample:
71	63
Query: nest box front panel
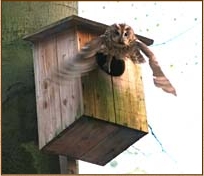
129	99
117	99
96	87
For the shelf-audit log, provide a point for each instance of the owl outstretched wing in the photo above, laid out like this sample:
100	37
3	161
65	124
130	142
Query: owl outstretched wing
160	80
145	40
82	63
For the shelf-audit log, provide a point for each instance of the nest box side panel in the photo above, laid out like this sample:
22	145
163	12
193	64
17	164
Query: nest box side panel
70	91
97	88
129	98
47	95
57	105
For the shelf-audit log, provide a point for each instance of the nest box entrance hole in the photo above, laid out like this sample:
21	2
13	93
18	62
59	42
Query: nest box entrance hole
117	66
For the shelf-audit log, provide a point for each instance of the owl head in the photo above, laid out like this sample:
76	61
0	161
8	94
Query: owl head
121	34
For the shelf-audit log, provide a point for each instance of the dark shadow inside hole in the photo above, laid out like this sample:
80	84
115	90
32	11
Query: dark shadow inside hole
117	66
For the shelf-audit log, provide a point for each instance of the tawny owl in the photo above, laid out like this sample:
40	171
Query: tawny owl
118	41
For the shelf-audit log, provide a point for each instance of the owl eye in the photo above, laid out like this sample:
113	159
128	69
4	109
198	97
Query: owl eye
117	33
126	34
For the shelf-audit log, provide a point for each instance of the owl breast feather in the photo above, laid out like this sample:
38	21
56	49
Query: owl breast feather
117	51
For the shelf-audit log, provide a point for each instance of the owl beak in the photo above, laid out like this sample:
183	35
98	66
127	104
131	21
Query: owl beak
121	41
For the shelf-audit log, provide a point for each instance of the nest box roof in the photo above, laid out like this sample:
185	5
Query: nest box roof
64	24
75	21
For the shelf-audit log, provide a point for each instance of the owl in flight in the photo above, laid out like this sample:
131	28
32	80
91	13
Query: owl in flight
120	42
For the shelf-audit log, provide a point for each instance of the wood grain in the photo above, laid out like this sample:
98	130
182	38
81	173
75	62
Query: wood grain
70	93
97	89
129	98
93	118
47	95
93	140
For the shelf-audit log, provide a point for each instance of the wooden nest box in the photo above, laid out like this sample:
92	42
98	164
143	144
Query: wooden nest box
93	118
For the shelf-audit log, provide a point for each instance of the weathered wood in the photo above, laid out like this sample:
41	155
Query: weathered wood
97	88
103	94
63	102
68	165
80	137
129	98
70	93
81	23
87	86
63	164
93	140
115	143
93	118
73	167
47	95
66	24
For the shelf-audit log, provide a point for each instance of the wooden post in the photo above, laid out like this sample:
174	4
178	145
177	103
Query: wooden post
68	165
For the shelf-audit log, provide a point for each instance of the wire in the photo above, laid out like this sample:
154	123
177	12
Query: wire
163	150
153	134
178	35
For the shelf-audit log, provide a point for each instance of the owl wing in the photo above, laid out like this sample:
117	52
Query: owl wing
145	40
83	62
136	56
160	80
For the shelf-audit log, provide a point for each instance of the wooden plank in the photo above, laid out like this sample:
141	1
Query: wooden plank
80	137
70	91
81	23
103	94
66	24
73	167
115	143
97	88
47	94
121	98
68	165
87	83
138	98
39	100
63	164
98	96
88	96
129	98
